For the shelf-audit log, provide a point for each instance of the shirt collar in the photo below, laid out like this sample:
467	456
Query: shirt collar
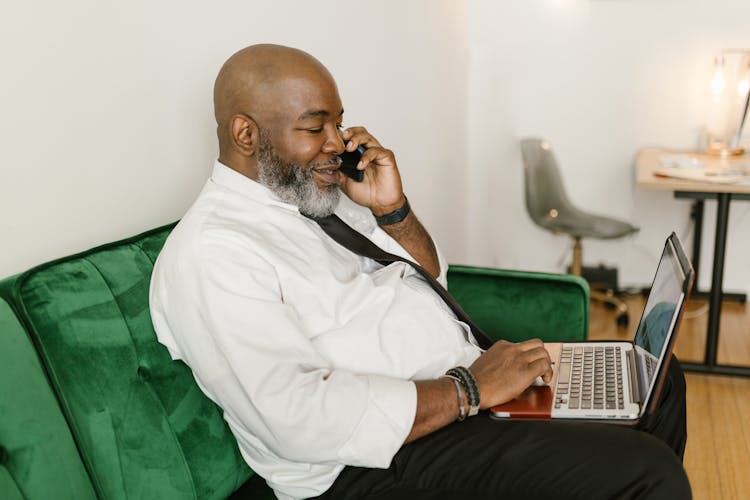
231	179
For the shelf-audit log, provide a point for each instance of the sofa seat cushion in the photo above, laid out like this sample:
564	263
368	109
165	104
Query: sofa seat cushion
144	428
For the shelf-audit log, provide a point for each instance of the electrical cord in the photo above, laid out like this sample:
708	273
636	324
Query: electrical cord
695	313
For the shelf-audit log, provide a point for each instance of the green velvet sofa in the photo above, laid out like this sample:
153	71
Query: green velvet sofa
92	406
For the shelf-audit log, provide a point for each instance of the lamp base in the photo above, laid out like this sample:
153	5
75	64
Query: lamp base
721	149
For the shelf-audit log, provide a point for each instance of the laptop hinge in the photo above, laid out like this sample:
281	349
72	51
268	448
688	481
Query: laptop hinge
635	386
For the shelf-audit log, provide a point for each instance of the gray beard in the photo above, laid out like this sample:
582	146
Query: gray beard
292	183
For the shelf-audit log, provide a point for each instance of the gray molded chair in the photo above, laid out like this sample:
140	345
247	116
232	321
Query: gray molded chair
549	207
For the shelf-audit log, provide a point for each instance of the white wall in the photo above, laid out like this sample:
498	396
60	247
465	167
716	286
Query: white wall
600	80
107	127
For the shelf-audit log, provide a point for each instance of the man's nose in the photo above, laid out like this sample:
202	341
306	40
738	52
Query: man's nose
334	142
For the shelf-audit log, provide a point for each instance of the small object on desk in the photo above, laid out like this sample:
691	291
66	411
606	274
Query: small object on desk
703	175
733	170
680	161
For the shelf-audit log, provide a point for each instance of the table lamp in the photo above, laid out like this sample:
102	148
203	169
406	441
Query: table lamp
730	91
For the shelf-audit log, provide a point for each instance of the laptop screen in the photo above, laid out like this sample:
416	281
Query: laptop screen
661	308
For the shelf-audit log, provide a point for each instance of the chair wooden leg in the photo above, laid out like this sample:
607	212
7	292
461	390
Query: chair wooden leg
577	266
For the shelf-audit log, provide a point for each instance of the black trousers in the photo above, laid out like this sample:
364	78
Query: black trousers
482	458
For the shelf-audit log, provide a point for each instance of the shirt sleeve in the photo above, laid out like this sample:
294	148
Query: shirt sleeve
253	357
387	243
362	220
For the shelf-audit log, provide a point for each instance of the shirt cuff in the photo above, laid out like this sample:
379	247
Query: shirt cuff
385	424
443	276
387	243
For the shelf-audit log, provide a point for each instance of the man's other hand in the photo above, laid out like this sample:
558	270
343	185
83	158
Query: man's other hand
505	370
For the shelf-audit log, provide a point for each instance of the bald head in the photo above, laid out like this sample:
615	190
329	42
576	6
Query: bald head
257	81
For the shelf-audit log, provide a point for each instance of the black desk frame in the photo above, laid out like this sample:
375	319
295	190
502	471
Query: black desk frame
716	294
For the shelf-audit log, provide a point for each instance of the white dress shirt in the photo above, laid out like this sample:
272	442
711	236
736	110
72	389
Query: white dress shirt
309	349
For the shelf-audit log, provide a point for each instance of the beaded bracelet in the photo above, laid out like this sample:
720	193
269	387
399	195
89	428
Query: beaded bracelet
470	385
461	409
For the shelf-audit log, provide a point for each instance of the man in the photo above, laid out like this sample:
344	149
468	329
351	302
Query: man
329	366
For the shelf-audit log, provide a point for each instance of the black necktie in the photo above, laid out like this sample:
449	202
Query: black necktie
358	243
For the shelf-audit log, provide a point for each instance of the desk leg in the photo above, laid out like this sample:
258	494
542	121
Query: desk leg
715	298
717	278
697	214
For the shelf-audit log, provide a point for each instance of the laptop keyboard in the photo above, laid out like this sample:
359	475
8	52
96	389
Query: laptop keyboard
590	377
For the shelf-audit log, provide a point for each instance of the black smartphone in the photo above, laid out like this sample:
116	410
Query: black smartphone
349	161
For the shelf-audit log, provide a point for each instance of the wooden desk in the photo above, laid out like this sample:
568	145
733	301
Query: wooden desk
647	164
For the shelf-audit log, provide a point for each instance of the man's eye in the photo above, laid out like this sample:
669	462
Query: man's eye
315	130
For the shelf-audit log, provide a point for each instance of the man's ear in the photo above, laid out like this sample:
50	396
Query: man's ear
244	134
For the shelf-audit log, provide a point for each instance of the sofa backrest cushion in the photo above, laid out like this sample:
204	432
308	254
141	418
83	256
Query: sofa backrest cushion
519	305
38	458
144	428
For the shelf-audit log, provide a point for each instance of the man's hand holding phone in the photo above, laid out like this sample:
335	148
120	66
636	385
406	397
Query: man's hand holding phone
380	189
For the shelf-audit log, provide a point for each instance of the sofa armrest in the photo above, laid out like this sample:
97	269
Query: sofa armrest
140	422
519	305
38	458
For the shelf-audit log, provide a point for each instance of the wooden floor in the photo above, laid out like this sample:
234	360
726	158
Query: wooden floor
717	458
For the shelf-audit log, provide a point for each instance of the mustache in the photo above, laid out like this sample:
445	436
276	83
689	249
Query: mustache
333	162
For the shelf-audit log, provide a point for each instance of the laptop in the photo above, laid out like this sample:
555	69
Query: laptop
614	381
